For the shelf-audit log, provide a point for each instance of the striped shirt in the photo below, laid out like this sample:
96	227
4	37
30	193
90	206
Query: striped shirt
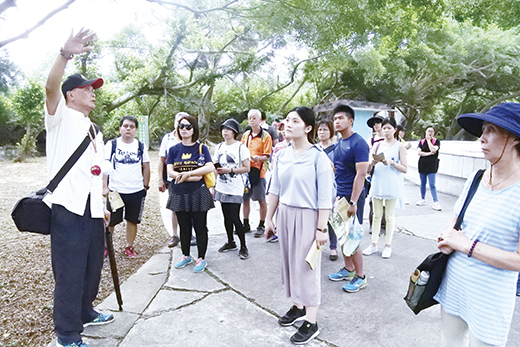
483	295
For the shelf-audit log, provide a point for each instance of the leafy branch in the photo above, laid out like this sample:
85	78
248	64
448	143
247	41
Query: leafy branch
26	33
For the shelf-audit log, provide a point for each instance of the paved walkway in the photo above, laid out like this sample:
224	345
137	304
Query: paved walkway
237	302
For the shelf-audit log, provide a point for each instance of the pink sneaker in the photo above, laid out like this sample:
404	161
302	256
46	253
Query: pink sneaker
130	251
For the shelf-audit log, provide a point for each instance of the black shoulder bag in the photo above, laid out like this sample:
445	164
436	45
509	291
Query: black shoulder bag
32	214
254	173
420	296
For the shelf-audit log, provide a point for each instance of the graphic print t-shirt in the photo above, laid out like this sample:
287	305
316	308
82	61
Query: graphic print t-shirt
231	156
126	175
187	158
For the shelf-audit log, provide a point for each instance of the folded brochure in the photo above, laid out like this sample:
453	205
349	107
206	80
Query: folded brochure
313	255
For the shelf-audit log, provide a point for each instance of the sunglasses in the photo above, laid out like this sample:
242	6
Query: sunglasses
185	126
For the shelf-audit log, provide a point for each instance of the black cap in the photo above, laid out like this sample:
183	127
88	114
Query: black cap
231	124
78	81
377	118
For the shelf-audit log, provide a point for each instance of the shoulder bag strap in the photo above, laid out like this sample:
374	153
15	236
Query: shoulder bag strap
71	161
316	157
114	145
140	150
471	193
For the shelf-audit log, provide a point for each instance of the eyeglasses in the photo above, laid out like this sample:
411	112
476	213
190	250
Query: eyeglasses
185	126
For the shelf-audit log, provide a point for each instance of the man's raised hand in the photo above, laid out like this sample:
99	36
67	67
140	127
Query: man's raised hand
79	43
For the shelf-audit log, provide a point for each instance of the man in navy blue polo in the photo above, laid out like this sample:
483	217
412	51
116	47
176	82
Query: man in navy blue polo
351	162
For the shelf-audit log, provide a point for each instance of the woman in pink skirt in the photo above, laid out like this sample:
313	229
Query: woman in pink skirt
301	194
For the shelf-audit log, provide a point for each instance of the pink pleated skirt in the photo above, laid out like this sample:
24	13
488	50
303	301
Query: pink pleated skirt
296	229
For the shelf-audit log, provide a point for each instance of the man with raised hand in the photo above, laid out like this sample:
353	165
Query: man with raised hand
78	215
351	163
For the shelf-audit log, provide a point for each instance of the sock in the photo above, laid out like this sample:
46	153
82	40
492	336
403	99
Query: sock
246	221
261	224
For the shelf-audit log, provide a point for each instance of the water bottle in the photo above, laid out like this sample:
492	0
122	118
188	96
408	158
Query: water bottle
417	291
423	278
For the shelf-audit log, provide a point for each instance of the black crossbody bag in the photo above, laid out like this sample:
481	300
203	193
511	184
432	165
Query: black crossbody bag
30	213
419	297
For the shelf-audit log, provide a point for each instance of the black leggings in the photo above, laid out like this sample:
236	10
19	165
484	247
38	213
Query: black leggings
231	214
197	220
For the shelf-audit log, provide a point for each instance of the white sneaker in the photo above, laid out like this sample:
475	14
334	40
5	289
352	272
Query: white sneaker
370	250
387	252
436	206
406	202
421	202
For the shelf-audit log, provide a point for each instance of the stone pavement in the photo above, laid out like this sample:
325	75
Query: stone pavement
237	302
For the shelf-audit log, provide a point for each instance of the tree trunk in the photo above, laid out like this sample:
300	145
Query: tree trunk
205	111
24	150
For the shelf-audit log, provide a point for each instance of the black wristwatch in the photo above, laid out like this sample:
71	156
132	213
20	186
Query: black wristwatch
352	203
324	230
146	187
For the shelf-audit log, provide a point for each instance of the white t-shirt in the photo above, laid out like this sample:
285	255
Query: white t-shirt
231	156
127	176
66	129
169	140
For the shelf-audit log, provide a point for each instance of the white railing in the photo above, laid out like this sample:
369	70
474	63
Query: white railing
458	159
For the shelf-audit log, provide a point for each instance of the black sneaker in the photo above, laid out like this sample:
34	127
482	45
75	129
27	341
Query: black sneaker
247	228
307	332
259	232
174	241
228	246
295	314
243	253
193	241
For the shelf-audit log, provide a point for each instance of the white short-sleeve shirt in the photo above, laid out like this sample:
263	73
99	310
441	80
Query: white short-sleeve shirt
168	141
66	129
231	156
126	174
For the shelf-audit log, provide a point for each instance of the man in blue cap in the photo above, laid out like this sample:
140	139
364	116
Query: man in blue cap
78	214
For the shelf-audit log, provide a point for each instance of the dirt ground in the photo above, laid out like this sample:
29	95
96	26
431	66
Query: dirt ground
26	279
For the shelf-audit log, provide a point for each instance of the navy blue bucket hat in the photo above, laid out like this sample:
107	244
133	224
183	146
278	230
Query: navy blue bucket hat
506	116
231	124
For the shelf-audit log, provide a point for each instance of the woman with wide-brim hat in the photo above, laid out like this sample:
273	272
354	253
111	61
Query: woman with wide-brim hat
375	123
477	293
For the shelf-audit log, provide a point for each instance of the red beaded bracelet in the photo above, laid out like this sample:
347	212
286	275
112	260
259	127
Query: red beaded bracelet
472	248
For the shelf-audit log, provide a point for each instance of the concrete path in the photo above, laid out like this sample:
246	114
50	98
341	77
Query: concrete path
237	302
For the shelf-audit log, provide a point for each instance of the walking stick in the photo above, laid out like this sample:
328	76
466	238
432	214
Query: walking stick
113	268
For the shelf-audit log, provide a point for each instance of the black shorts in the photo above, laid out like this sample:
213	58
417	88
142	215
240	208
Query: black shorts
133	209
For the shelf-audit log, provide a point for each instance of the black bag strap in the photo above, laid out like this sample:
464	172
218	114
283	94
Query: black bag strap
471	193
71	161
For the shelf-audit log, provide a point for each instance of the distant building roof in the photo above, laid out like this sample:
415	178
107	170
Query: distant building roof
355	104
